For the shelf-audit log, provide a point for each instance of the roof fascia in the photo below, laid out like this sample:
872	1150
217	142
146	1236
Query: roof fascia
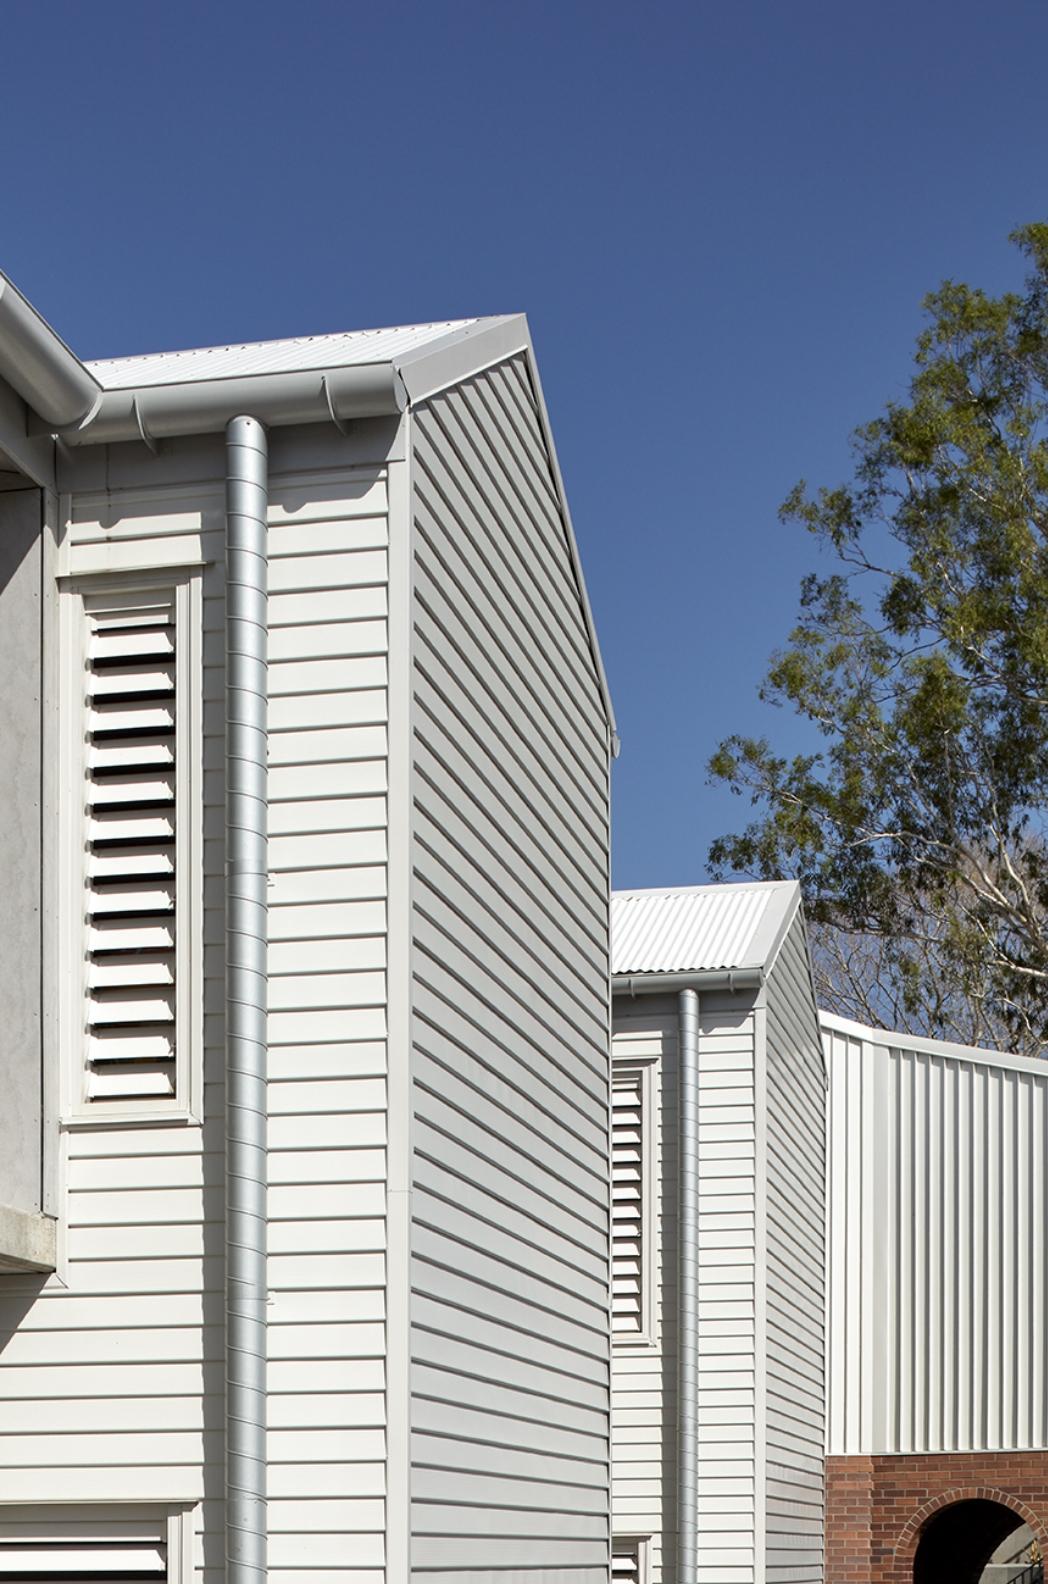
769	937
460	354
573	544
794	916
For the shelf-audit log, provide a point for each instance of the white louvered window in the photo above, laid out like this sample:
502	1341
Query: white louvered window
137	757
628	1562
630	1164
54	1551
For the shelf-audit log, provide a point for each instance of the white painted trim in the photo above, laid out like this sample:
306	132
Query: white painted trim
400	650
429	370
643	1545
760	1284
53	1182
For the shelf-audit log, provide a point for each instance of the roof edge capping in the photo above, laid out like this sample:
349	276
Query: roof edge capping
38	365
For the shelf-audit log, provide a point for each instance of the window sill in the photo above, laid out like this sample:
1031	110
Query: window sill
634	1346
145	1116
28	1241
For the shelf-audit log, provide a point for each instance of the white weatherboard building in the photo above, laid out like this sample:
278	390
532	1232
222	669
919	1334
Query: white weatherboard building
718	1245
435	960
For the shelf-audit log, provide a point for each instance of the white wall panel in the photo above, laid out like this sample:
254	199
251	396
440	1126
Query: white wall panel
644	1412
110	1375
938	1291
794	1143
509	1205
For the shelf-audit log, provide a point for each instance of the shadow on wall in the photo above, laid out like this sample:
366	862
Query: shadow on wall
19	1291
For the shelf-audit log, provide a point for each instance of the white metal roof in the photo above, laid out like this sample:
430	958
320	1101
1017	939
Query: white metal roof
694	929
271	357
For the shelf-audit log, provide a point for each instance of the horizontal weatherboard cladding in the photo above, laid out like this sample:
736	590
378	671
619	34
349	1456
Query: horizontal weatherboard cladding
795	1302
509	1236
111	1385
645	1029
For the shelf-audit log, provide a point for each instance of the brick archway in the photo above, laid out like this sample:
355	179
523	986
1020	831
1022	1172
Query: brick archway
915	1526
877	1508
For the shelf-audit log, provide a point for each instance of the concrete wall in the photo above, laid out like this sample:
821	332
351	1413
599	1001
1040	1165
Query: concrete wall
20	800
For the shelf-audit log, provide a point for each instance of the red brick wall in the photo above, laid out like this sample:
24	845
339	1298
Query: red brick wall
877	1507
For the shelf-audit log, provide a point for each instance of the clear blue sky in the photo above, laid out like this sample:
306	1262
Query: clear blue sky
719	218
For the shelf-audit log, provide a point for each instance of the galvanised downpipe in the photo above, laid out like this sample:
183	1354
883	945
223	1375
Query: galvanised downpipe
245	941
688	1290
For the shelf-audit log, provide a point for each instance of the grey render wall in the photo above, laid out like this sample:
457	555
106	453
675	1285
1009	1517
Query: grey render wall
509	1301
21	549
795	1108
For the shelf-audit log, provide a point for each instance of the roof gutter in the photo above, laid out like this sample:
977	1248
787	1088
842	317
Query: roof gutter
36	363
730	979
163	412
65	398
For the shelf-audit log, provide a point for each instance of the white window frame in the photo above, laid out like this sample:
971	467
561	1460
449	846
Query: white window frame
185	588
646	1068
37	1521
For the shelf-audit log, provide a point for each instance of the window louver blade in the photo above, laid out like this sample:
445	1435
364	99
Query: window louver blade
625	1562
627	1203
45	1561
131	836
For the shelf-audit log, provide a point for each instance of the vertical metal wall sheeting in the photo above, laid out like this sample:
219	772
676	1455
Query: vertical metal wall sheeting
687	1334
938	1269
245	939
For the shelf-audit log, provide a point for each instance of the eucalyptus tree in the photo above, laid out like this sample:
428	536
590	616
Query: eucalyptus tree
918	820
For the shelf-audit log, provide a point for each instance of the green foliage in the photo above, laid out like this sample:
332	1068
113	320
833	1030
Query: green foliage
920	826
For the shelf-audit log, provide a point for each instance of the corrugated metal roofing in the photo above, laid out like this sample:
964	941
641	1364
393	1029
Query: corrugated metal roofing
271	357
692	929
